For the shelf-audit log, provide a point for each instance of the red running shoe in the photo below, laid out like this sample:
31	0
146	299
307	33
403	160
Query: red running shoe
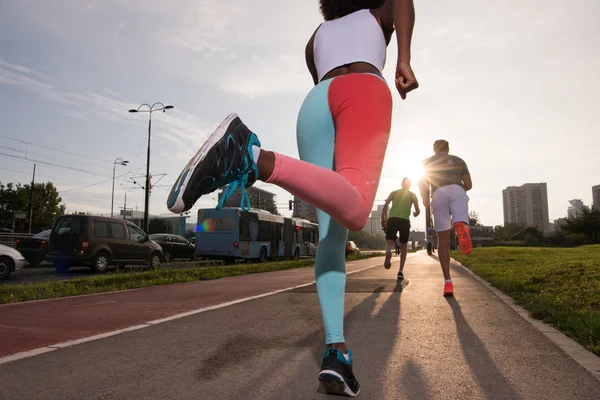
448	289
464	238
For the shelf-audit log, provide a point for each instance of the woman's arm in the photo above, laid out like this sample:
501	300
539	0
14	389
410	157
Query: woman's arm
310	57
404	21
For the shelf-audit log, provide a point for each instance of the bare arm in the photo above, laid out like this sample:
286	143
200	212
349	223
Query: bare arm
424	188
466	178
416	204
310	58
385	206
404	21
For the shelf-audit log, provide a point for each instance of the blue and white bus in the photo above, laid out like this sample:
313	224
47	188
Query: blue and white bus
231	233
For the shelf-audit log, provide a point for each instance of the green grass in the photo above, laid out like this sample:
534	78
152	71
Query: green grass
132	280
558	286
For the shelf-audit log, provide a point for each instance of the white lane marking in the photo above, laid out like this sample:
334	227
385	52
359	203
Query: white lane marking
52	347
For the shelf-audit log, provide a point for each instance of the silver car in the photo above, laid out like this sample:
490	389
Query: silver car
10	260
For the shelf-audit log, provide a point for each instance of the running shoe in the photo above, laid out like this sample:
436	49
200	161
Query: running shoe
336	373
224	159
400	276
388	260
448	289
464	238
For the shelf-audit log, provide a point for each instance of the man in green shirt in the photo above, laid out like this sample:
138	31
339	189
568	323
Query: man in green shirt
398	222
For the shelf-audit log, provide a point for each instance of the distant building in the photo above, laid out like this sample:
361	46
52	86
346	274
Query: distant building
576	208
304	210
259	199
373	225
596	197
558	224
527	205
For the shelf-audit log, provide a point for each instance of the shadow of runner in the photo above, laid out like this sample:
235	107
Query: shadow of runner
413	382
490	378
314	341
385	361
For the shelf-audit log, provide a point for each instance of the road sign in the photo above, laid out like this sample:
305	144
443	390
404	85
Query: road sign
20	215
127	213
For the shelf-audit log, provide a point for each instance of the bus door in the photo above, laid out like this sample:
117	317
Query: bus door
289	233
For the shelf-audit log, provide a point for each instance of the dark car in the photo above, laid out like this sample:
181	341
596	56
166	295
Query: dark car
99	242
34	249
174	246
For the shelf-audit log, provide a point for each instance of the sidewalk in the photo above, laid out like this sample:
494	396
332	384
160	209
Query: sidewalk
408	343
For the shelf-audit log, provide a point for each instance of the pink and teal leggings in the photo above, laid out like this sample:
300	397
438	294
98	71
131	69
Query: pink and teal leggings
343	130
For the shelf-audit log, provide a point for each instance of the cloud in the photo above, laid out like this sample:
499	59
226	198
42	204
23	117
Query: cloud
283	73
177	125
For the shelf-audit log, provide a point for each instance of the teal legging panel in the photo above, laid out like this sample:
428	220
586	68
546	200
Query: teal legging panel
316	145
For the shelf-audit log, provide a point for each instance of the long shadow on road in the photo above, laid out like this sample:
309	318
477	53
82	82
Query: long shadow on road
373	335
481	364
358	320
314	341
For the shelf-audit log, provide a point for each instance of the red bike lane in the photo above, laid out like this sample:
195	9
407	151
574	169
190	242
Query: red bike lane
31	325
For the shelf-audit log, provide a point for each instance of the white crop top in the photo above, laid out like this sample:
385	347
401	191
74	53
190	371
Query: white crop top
356	37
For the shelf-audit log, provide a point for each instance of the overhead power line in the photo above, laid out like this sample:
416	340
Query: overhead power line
55	149
91	185
67	160
45	176
32	160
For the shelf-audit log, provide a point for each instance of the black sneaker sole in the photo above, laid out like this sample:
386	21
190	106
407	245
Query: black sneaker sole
176	204
333	383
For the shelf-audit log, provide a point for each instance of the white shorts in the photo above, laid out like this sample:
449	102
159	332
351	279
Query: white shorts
449	204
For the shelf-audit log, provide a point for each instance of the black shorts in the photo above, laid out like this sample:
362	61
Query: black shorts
395	226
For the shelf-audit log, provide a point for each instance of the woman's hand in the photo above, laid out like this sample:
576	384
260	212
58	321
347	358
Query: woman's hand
405	79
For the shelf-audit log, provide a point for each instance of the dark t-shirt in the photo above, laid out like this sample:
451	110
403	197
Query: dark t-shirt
444	169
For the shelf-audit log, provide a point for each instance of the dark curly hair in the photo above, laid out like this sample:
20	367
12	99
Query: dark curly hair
332	9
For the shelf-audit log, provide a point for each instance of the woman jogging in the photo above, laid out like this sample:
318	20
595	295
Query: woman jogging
342	132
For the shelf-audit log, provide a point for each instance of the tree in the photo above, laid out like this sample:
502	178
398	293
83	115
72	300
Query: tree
587	223
47	205
474	219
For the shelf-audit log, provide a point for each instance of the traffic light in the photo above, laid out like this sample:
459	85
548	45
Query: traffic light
291	204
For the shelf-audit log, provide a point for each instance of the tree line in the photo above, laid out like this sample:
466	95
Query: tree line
15	199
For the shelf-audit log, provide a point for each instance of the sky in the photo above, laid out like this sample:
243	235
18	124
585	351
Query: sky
512	85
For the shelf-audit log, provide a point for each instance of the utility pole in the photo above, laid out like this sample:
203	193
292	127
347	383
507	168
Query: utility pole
31	199
150	110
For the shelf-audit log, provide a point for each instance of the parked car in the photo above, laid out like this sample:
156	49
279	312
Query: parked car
351	248
34	249
174	246
10	260
99	242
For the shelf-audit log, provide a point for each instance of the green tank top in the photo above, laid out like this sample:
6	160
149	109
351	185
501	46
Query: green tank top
401	204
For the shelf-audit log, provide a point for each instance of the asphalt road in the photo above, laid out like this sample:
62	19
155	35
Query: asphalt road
408	343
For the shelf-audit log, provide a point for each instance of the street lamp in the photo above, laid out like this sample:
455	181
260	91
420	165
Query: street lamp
150	110
119	161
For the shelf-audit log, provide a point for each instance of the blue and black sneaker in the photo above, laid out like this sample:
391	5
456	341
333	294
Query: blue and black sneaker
224	159
336	373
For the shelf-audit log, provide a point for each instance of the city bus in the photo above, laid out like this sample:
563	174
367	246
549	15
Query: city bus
231	234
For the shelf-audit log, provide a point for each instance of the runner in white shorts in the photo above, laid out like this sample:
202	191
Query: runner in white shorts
446	182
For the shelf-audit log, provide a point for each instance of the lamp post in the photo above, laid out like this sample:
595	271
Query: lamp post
150	110
119	161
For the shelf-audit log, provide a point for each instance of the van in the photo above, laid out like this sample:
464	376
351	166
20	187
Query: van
99	242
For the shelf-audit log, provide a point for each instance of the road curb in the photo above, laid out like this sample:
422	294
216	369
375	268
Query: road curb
574	350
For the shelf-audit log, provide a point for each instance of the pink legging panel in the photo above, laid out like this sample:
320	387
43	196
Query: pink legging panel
361	110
